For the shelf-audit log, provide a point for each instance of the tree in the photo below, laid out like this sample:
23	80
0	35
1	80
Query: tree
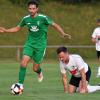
80	1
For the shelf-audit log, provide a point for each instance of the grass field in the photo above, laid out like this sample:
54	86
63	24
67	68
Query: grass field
50	89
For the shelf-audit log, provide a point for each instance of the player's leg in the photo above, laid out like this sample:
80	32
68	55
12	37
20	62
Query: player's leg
88	75
73	84
83	89
92	89
89	87
38	57
23	65
37	69
27	53
71	88
98	55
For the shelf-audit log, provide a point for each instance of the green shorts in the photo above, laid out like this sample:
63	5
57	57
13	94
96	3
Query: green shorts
36	54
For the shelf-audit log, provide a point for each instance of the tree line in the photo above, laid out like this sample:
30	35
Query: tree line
23	2
80	1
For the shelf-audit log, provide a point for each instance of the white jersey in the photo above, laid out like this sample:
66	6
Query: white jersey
75	64
96	35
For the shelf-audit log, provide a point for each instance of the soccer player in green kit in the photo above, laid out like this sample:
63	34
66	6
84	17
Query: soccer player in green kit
36	41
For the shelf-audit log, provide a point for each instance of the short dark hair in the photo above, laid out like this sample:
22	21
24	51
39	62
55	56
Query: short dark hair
34	2
98	20
61	49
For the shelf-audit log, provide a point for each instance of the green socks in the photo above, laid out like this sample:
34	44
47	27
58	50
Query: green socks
22	73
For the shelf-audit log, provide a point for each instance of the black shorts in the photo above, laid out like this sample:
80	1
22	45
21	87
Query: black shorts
98	54
76	80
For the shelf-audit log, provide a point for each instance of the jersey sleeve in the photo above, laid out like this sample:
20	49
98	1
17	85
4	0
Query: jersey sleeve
21	23
48	21
62	69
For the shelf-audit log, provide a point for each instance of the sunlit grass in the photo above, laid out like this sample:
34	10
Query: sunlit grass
50	89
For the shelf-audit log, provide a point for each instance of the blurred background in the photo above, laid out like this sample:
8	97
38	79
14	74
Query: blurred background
76	17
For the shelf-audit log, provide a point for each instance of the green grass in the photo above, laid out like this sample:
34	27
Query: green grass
50	89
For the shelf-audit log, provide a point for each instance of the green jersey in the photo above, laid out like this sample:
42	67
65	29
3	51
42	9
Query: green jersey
37	27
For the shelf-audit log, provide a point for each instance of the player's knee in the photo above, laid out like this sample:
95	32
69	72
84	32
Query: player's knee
70	92
25	61
23	64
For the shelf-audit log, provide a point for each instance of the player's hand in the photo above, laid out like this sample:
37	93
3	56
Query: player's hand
2	29
67	35
84	91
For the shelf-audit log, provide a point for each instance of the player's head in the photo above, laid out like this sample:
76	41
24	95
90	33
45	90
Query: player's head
63	54
33	7
33	2
62	49
98	21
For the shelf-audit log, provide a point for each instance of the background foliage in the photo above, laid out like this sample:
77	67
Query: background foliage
23	2
79	20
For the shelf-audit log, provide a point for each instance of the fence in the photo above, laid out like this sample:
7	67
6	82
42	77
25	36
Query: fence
15	51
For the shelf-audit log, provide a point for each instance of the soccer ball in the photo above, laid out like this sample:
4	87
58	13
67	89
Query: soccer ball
16	89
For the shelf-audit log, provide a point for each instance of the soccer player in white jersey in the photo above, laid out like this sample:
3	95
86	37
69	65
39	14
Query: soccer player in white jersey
96	40
79	70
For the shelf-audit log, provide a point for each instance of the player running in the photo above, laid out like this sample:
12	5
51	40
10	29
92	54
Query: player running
36	42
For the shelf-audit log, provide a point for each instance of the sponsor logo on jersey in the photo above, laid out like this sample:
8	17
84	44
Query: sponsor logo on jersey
28	23
34	29
73	70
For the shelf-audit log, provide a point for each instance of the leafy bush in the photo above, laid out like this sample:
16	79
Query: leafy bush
24	2
19	2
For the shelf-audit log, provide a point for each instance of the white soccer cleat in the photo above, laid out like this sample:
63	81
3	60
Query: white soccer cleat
40	77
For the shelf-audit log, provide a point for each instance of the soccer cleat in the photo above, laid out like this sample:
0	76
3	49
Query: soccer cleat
40	77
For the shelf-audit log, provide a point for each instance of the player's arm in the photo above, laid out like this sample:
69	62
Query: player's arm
83	82
94	40
11	30
1	31
94	37
65	82
60	30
